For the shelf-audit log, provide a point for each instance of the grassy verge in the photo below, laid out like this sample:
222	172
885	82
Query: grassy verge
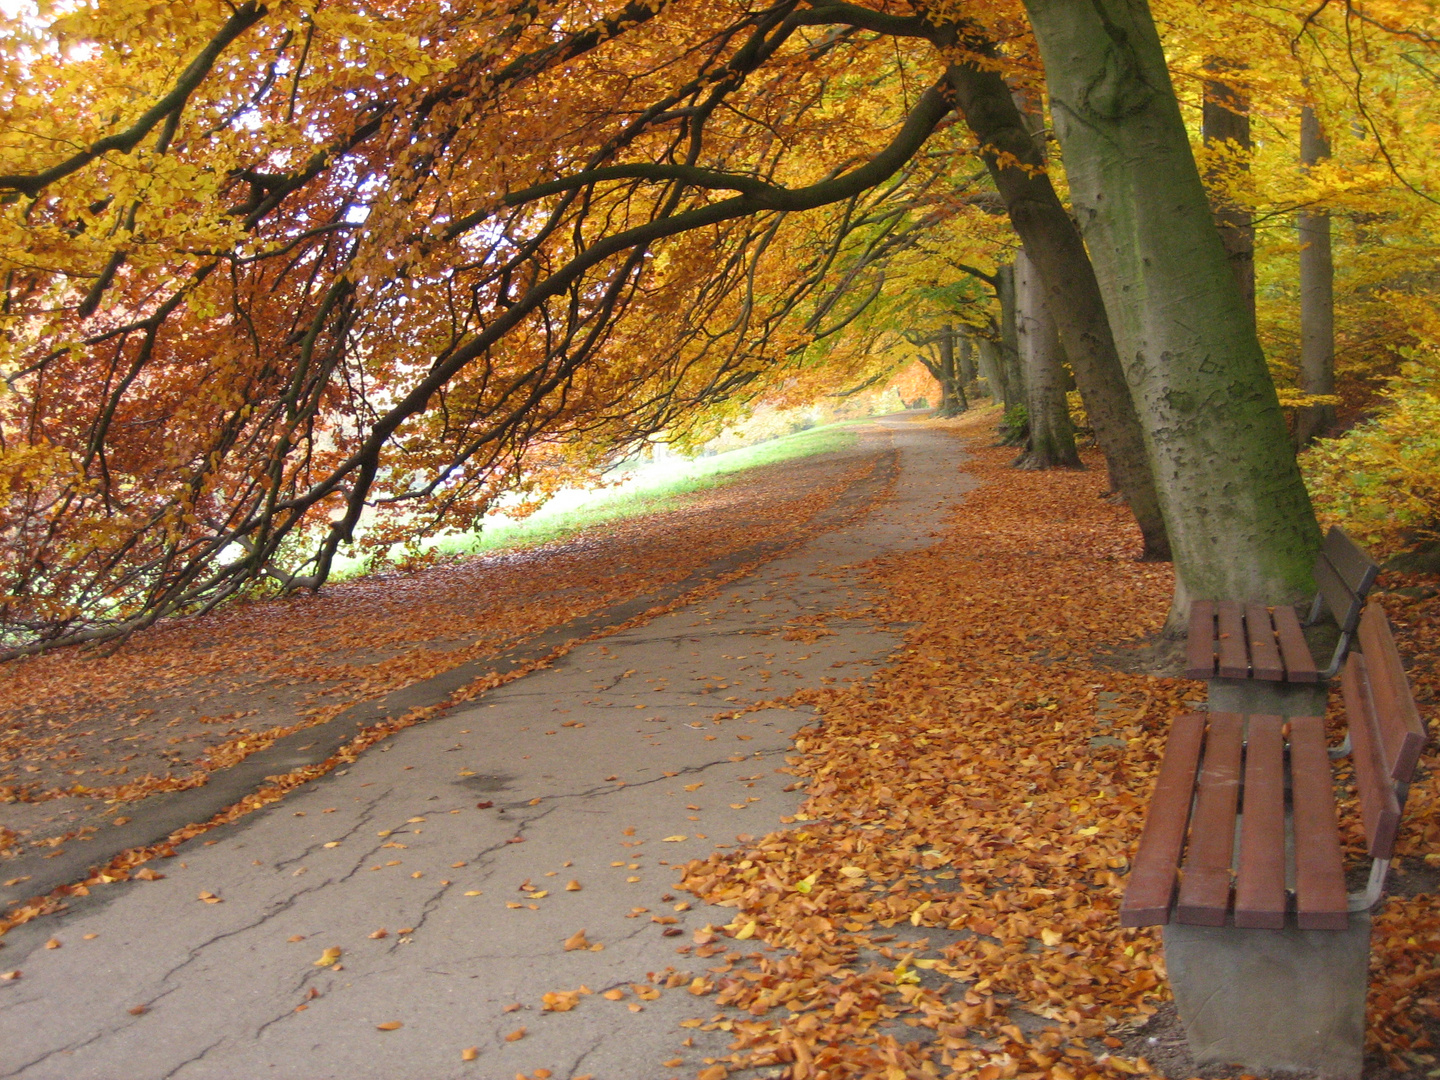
648	488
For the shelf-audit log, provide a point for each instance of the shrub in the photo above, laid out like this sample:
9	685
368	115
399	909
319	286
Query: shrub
1381	479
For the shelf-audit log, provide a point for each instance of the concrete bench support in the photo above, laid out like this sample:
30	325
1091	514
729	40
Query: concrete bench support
1268	698
1273	999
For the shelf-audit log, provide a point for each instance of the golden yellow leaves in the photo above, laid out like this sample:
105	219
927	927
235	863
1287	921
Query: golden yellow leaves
578	940
9	976
210	898
328	957
572	885
559	1000
673	839
389	1025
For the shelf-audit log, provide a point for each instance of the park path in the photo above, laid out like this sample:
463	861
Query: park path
440	864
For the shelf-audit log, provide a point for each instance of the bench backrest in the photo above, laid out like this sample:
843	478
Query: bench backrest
1386	731
1343	574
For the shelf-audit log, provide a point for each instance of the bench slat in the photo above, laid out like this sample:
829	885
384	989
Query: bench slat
1260	883
1234	657
1152	875
1379	808
1200	641
1264	650
1352	564
1344	603
1402	732
1299	664
1320	898
1205	883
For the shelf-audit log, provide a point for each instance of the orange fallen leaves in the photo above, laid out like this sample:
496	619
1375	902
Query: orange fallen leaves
516	1035
949	790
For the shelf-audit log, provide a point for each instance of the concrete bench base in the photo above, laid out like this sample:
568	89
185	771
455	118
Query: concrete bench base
1273	999
1268	698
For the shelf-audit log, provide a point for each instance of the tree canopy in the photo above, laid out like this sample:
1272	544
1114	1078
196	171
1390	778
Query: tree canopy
274	269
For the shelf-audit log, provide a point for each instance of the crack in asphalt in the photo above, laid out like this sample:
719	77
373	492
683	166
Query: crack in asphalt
278	908
193	1059
367	812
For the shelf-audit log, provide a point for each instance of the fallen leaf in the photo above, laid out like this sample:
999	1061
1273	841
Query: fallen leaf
674	839
470	1053
576	940
146	874
389	1025
138	1010
375	935
9	976
210	898
572	886
328	957
53	943
516	1035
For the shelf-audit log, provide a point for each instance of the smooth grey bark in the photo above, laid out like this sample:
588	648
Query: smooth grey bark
1014	380
965	358
944	371
1051	440
1053	242
1317	297
1239	519
1225	118
991	370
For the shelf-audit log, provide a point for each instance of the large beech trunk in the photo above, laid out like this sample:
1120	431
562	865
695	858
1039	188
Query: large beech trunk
1238	516
991	370
1013	384
1051	441
1317	298
1076	304
1225	118
944	370
965	359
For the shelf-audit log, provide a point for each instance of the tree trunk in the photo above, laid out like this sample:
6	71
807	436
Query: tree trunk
1238	516
1054	244
1051	442
1014	380
1317	298
1226	119
991	370
966	359
945	372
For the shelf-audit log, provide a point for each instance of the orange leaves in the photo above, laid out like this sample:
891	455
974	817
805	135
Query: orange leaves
958	790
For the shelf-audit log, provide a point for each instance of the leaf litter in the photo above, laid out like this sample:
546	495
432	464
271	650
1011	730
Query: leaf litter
79	709
962	850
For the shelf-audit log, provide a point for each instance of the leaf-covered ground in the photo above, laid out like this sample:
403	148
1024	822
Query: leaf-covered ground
86	733
947	901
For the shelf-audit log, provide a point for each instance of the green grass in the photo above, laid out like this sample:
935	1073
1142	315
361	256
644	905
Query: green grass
646	489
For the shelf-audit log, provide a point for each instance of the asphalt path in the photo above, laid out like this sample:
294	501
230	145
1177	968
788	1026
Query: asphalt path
406	917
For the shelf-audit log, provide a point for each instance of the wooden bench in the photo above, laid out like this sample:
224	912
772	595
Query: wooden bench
1242	836
1234	640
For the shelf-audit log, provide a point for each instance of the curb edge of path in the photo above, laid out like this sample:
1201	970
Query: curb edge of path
157	817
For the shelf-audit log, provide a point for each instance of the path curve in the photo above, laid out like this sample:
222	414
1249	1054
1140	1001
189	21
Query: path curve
458	838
